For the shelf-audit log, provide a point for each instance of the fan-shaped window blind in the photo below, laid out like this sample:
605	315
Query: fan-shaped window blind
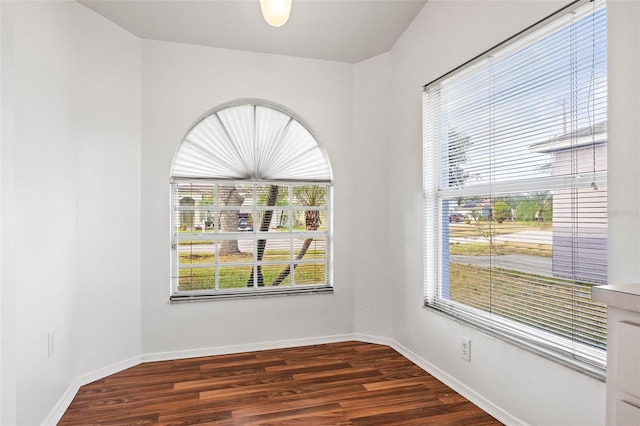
251	142
251	196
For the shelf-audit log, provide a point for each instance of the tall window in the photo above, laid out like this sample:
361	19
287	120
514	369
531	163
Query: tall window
515	186
251	193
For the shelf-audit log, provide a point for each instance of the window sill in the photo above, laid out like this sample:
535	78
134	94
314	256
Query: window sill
596	372
249	293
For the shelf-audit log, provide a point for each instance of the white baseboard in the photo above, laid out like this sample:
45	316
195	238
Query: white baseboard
497	412
63	403
65	400
486	405
250	347
368	338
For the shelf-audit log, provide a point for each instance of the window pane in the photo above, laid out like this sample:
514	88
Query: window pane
195	254
516	189
277	250
310	273
276	275
309	220
518	261
272	195
230	199
311	248
235	276
196	279
309	195
233	251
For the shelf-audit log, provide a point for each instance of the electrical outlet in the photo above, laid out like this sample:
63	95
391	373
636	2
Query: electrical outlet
465	348
51	342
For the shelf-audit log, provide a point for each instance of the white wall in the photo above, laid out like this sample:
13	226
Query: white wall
376	276
444	35
624	133
71	257
45	206
7	233
624	157
182	82
107	106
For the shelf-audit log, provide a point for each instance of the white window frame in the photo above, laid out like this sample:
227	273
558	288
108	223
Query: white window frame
583	358
207	175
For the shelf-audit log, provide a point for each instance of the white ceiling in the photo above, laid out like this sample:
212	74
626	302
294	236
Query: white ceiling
336	30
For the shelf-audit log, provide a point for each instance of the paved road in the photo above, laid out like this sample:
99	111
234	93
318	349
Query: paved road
516	262
531	237
246	245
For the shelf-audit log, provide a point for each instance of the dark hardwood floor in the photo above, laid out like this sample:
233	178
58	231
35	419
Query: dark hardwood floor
348	383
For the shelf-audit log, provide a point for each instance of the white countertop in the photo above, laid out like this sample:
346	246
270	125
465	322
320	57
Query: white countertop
625	296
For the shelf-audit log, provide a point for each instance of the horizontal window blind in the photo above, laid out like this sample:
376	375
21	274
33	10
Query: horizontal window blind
515	188
233	236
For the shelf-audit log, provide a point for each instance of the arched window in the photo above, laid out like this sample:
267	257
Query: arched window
251	193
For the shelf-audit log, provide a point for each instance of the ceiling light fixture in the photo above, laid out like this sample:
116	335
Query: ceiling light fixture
276	12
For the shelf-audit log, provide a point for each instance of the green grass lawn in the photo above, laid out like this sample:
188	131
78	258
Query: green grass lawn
232	275
530	299
461	230
548	303
501	248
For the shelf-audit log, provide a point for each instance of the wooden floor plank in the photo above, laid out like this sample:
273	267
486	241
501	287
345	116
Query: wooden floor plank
337	384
